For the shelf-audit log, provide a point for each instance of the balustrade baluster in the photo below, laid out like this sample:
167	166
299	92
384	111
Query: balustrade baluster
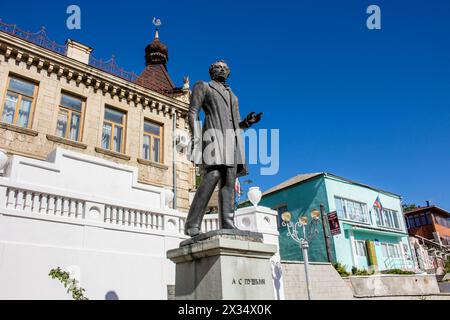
36	197
114	215
108	214
58	206
123	216
28	201
131	218
73	209
80	210
119	215
65	209
10	202
160	222
44	204
51	205
136	218
151	221
19	200
126	215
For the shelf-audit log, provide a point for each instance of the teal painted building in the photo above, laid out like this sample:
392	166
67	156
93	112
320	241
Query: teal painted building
369	237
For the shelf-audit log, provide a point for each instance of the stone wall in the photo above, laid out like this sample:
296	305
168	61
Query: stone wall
393	285
327	284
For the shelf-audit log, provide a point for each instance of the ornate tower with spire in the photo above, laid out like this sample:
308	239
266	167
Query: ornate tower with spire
156	52
155	76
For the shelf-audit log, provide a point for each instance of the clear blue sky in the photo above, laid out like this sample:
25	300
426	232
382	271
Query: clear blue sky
372	106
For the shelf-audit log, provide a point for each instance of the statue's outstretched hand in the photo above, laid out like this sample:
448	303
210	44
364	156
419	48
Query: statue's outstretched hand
253	118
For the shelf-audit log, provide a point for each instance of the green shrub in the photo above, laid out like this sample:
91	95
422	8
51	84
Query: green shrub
70	284
447	266
341	269
398	271
361	272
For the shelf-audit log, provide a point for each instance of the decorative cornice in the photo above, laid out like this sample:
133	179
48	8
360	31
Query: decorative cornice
71	69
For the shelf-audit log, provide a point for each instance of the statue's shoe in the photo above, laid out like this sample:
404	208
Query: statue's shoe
192	232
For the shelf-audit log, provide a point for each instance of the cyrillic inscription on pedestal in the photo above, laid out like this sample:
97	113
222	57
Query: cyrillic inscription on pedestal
224	267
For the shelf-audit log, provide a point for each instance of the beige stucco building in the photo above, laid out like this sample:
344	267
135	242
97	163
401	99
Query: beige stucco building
60	97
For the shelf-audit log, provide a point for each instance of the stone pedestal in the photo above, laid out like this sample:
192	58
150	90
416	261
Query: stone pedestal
224	265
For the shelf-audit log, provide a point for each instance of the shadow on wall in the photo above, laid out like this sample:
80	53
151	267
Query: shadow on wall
276	275
111	295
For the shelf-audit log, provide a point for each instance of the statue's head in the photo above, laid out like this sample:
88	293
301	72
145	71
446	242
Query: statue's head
219	71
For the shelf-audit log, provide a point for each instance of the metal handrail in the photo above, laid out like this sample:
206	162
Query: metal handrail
392	263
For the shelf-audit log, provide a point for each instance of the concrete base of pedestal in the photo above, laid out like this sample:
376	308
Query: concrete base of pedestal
224	267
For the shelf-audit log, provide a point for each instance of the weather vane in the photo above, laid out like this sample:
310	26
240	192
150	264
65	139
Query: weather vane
157	22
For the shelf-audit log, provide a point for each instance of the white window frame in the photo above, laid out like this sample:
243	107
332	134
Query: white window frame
347	204
358	245
389	215
392	247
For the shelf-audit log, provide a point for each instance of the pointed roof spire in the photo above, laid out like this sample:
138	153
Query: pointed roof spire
157	23
155	76
156	52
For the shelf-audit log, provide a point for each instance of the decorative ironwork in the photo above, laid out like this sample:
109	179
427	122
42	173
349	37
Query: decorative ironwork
303	230
40	38
298	232
111	66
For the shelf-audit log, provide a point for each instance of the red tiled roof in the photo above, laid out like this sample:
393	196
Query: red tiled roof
155	77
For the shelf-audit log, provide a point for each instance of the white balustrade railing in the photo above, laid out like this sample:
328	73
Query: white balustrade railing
25	202
42	203
210	223
41	190
134	218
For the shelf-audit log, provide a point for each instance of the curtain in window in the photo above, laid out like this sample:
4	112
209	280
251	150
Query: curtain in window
61	124
117	147
75	126
24	112
9	108
106	136
146	148
156	155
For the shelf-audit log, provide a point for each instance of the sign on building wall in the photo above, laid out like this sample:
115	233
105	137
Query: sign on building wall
333	222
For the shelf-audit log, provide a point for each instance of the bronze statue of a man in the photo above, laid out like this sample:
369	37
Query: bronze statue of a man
218	147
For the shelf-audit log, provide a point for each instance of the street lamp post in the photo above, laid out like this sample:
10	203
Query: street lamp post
304	239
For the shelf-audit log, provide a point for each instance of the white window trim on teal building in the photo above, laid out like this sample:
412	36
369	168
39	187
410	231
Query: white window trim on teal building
353	248
345	209
360	246
388	219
